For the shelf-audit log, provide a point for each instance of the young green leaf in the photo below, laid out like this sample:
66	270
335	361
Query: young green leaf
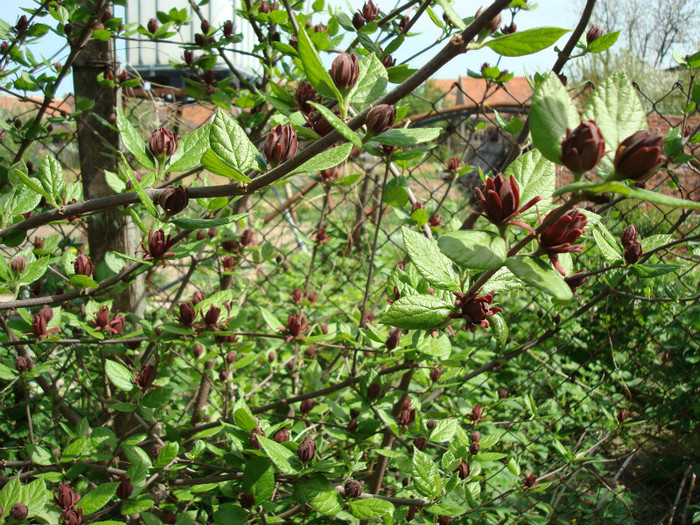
474	250
407	137
316	73
119	375
430	262
97	498
326	159
417	312
133	141
338	124
535	272
526	42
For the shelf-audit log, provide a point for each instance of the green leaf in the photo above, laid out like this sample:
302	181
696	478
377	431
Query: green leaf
425	474
452	14
133	141
438	347
119	375
604	42
618	113
535	272
326	159
654	241
243	417
396	192
607	244
371	508
34	270
526	42
168	453
444	430
18	172
137	457
536	177
25	200
51	177
82	281
36	496
136	506
158	397
97	498
446	509
430	262
371	82
315	72
138	186
39	455
551	113
499	330
7	374
271	320
10	494
231	514
474	250
190	150
320	494
407	137
629	191
283	458
231	146
338	124
259	479
417	312
649	270
197	224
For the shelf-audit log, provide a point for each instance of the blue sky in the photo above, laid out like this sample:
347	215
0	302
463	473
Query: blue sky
547	13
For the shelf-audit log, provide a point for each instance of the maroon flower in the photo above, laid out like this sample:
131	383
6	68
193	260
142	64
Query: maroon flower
253	438
125	487
246	238
452	165
173	199
39	325
509	29
18	264
463	470
474	448
329	174
561	235
576	280
476	412
353	489
296	295
420	443
307	449
67	497
19	511
189	57
633	252
622	415
305	94
344	71
393	339
281	144
158	245
594	33
72	516
582	148
474	310
380	118
162	143
116	324
321	235
403	24
500	200
211	318
152	25
281	436
187	315
23	364
296	327
146	376
358	20
529	481
101	318
640	155
83	265
228	29
435	373
370	11
264	7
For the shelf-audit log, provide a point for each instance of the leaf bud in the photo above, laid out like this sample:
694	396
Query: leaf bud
492	25
18	264
583	147
162	143
173	199
640	155
198	350
344	71
381	118
353	489
281	144
307	449
593	33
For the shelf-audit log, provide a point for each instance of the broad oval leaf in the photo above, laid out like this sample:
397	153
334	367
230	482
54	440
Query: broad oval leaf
474	250
429	260
97	498
526	42
535	272
119	375
417	312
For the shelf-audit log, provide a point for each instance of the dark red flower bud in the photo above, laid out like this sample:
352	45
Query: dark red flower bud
463	470
201	235
435	373
125	488
443	520
353	489
388	61
83	265
264	7
358	20
633	252
253	438
21	25
373	390
305	94
352	425
198	350
174	199
116	324
370	11
629	235
307	449
561	235
354	413
281	436
344	71
246	500
102	317
319	28
38	243
162	143
509	29
380	118
393	339
622	415
475	415
223	375
200	40
594	33
18	264
582	148
39	325
306	406
296	295
246	239
475	436
474	448
23	364
211	318
281	144
492	25
576	280
420	443
146	376
411	513
502	393
500	199
169	517
529	481
228	29
152	25
640	155
187	315
19	511
205	26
